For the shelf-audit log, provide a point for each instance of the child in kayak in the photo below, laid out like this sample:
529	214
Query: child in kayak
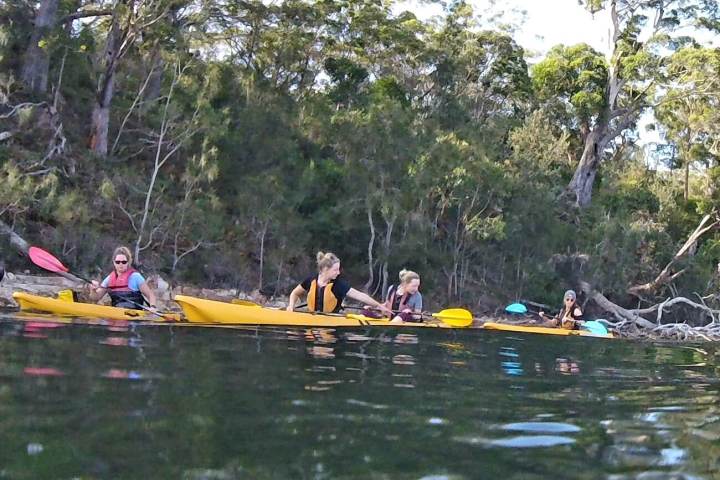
405	300
127	287
570	316
326	292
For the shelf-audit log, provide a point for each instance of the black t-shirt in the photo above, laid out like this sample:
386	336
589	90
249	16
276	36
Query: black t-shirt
340	289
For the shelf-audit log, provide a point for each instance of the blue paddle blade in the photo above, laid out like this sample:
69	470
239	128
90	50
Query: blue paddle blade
516	308
594	327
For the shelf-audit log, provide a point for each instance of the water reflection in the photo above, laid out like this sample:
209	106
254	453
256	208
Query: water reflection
115	400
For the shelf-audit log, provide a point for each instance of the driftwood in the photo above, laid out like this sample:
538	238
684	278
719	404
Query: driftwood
617	311
16	240
667	275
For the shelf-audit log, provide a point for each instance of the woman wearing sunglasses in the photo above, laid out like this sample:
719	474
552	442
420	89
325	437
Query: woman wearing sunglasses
127	287
570	315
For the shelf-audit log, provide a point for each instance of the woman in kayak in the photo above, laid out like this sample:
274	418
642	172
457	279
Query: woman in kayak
570	315
127	287
326	292
405	300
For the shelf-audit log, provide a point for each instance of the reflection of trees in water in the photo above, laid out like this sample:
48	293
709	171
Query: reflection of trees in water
287	400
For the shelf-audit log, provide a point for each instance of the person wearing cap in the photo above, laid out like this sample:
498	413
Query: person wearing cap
569	316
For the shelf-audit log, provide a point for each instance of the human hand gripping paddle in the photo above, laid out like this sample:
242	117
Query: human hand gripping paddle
49	262
593	326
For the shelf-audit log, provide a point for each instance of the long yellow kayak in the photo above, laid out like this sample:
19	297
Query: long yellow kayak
199	310
28	301
543	330
205	312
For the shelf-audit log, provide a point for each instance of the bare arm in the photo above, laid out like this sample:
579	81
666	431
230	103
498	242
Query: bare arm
295	296
95	291
149	294
365	298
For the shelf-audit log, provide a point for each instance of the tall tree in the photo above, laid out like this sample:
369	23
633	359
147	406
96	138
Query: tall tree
37	58
632	72
688	109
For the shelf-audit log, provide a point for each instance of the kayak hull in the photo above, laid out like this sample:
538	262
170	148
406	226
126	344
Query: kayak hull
543	330
30	302
199	310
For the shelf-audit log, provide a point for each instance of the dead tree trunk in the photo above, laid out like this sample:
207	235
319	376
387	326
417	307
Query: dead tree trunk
667	275
16	240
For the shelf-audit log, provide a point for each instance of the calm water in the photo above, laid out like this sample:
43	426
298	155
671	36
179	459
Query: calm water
79	401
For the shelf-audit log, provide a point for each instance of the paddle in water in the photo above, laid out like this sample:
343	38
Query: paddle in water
49	262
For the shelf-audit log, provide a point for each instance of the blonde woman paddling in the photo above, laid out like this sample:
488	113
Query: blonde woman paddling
405	299
326	292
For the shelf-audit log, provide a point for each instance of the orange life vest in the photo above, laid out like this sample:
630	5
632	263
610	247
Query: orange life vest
329	300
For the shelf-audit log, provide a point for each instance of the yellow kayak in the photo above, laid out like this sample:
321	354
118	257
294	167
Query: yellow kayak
543	330
198	310
56	306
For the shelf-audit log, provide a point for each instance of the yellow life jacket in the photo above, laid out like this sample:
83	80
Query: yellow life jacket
330	301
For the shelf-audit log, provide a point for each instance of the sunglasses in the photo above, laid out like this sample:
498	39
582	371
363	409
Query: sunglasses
121	262
568	299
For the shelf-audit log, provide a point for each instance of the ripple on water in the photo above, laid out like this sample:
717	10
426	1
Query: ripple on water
361	403
521	441
542	427
532	441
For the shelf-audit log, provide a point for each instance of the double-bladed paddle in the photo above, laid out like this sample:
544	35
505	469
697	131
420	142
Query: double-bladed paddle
49	262
593	326
455	317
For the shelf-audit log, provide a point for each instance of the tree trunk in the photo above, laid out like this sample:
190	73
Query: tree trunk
105	90
37	60
582	182
371	246
263	234
19	243
611	121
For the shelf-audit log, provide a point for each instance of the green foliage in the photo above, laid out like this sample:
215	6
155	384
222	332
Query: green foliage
344	125
571	81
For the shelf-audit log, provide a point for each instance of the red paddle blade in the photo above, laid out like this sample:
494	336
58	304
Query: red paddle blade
45	260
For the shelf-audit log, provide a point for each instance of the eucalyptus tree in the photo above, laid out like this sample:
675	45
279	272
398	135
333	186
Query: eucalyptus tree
689	108
643	33
130	22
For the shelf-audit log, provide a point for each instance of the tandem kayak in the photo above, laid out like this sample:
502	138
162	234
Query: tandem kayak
199	310
543	330
28	301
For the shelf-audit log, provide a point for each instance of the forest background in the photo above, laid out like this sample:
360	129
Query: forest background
227	142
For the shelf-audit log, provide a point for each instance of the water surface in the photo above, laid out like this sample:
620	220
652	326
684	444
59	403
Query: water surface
119	401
